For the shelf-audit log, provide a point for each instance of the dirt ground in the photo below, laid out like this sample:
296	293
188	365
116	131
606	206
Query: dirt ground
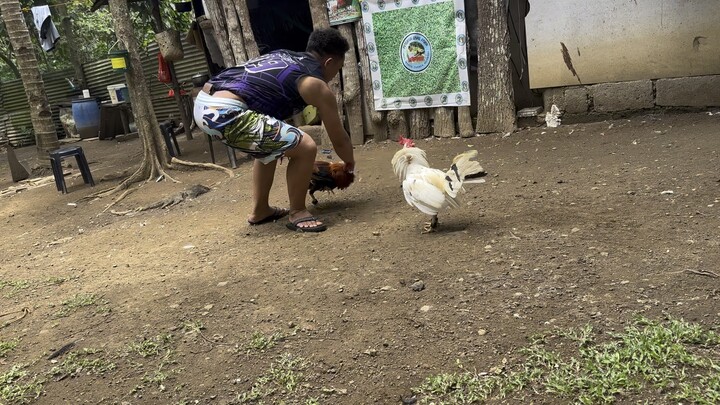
589	223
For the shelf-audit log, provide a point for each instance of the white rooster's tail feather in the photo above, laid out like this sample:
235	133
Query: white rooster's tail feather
406	157
463	165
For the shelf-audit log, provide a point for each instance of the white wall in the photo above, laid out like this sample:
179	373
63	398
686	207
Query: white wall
620	40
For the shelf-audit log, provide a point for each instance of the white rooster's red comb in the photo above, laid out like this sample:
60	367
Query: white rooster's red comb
405	142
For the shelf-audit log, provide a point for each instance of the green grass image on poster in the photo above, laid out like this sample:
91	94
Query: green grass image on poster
437	23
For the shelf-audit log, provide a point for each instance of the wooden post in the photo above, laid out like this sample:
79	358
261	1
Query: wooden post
243	13
235	32
397	124
496	107
351	92
420	123
216	16
444	123
465	125
379	127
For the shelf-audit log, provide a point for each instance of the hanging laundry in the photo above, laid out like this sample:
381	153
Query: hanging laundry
49	35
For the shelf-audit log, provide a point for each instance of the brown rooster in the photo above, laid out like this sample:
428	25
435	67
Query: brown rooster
328	176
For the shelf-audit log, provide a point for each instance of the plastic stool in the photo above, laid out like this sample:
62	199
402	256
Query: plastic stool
167	129
56	158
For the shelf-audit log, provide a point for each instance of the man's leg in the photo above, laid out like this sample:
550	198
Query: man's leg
299	171
263	175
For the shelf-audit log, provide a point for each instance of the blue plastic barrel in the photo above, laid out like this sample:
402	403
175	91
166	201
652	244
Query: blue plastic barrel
86	113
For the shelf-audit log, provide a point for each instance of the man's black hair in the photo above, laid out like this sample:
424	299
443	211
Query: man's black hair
327	42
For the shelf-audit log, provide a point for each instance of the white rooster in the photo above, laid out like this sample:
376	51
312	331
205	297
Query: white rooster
430	190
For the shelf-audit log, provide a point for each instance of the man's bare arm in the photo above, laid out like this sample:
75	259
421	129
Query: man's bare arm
317	93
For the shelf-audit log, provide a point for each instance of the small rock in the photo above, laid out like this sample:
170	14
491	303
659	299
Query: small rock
482	332
371	352
418	286
575	230
376	233
222	284
666	192
386	288
188	246
208	307
425	308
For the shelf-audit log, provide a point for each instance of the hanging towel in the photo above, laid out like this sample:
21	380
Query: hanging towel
49	35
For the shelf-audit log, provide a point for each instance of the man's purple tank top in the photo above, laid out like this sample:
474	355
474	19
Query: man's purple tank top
268	84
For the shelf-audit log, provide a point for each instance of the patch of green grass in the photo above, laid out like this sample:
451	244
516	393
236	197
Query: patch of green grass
13	287
151	347
260	342
60	280
76	302
675	360
17	386
82	362
7	345
284	376
191	326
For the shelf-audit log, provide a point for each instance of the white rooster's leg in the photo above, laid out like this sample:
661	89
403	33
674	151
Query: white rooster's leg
430	226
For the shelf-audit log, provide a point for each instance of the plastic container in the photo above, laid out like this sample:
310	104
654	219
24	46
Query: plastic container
118	93
86	113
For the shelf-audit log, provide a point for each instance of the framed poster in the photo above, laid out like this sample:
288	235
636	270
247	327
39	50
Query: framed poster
343	11
417	51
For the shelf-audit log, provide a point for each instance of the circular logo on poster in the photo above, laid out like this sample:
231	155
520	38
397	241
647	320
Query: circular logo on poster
428	101
398	3
383	104
412	102
459	99
398	103
376	85
460	15
415	1
465	86
365	6
371	47
381	4
368	28
416	52
443	99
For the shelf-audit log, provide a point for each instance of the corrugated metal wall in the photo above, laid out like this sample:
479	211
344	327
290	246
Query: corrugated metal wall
15	125
15	112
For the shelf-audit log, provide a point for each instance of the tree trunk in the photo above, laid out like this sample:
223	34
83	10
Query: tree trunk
68	34
379	129
420	123
235	32
40	112
216	16
351	92
320	18
496	107
444	123
154	150
243	13
397	125
465	125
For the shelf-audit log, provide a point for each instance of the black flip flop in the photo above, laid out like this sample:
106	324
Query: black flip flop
279	213
293	225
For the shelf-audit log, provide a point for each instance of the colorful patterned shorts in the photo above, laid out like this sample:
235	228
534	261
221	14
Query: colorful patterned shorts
261	136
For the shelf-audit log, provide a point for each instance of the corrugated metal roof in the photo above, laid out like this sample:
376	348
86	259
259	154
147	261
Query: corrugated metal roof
15	122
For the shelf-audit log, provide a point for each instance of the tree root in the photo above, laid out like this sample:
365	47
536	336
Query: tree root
188	194
213	166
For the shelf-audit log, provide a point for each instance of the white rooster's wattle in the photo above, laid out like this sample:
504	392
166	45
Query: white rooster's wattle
431	190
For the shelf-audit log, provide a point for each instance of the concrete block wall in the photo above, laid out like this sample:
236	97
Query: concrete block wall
694	92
